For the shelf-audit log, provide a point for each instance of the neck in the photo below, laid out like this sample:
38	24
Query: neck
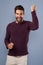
16	22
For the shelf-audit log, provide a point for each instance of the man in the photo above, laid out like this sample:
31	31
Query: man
17	36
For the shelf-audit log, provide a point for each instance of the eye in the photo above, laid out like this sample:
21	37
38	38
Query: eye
17	13
21	13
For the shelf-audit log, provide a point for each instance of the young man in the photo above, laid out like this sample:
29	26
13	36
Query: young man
17	36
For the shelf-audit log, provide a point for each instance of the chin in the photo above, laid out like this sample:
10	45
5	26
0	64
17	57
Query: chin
19	21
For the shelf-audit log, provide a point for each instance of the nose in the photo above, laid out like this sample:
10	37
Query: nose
19	15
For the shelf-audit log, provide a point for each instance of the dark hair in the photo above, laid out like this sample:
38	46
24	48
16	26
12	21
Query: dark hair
18	7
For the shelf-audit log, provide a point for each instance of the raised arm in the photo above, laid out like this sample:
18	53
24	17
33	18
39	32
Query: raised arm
34	24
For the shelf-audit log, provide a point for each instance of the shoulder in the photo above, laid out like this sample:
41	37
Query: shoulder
10	24
27	22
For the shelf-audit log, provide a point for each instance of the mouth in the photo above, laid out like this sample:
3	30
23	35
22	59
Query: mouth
19	19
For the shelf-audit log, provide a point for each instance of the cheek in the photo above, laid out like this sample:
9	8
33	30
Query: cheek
16	15
22	15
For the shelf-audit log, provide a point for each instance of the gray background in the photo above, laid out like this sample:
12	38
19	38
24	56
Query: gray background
35	45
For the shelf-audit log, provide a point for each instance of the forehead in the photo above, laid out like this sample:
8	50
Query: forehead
19	11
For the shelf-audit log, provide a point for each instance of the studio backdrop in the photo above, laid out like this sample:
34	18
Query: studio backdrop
35	44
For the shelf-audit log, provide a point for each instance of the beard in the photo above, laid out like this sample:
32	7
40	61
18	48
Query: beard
19	20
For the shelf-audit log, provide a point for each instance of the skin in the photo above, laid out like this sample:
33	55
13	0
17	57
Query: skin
19	17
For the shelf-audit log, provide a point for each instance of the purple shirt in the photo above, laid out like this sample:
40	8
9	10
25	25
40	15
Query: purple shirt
19	35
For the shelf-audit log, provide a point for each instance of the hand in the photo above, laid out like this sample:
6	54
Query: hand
33	8
10	45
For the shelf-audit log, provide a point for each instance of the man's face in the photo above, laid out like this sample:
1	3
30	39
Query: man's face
19	15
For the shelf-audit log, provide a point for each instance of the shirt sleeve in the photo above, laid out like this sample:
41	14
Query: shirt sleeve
7	36
34	25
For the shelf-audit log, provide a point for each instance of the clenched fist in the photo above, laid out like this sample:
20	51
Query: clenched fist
33	7
10	45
